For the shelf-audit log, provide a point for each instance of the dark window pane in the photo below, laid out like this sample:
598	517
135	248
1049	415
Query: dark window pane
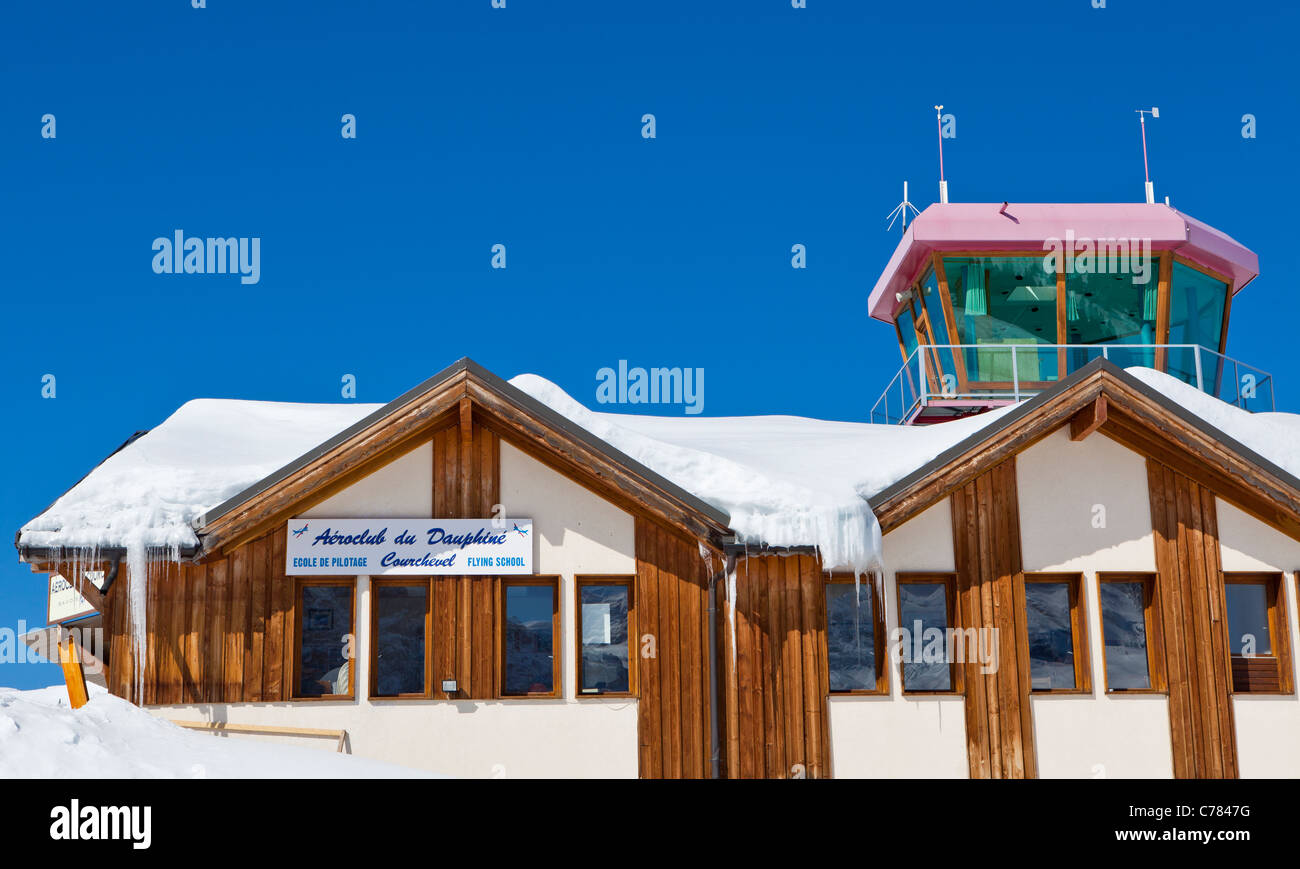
1051	636
1124	631
932	299
529	644
907	329
1248	619
923	606
603	610
326	622
850	637
399	645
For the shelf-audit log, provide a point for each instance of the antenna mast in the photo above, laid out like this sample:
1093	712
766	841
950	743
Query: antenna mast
1142	120
943	184
901	211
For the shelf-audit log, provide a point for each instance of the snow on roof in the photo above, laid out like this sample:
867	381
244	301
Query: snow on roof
42	737
209	449
783	480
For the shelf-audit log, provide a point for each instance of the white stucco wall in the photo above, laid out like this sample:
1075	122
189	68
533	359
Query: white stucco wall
575	533
1268	726
897	736
1061	484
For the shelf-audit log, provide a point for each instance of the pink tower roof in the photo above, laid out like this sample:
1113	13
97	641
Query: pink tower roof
970	226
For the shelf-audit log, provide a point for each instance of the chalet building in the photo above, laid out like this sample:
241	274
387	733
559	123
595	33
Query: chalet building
1086	562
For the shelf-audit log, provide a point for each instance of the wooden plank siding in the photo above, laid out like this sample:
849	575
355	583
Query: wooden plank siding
986	545
672	586
775	686
1191	602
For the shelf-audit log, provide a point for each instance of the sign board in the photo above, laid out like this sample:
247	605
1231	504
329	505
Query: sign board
64	602
409	547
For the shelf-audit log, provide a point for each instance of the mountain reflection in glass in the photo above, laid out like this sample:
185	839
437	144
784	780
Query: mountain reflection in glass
927	603
850	637
1051	636
399	654
603	610
529	639
1124	629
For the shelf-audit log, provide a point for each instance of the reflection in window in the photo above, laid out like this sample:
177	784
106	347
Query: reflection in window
999	301
850	636
1110	309
932	300
529	641
906	329
603	664
326	623
399	639
1248	629
923	606
1124	631
1196	303
1051	636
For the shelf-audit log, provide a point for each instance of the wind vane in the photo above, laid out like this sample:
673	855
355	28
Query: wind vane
901	211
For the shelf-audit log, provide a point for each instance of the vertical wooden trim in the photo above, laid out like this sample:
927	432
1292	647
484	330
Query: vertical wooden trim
1163	311
945	297
1192	605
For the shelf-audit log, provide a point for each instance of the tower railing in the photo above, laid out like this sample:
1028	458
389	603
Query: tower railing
976	376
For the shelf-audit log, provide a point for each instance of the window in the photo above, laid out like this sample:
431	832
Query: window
1106	307
905	322
1057	640
932	302
855	637
1257	633
999	301
1128	626
1196	303
606	628
400	633
926	610
323	666
530	618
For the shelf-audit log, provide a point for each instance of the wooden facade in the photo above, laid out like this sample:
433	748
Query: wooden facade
223	629
774	670
991	595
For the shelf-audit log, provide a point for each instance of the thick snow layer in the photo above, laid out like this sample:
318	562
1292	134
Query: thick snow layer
210	449
784	480
1275	436
42	737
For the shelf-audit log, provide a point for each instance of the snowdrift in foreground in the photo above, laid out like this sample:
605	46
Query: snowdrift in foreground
784	480
42	737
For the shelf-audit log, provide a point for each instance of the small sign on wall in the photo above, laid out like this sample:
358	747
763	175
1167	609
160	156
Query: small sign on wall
64	602
409	547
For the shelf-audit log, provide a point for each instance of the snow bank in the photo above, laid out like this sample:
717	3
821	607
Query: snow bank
783	480
41	737
210	449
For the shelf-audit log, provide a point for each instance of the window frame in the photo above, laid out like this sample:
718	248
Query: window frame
1279	626
878	629
301	583
956	683
579	582
1078	629
1154	625
557	637
390	581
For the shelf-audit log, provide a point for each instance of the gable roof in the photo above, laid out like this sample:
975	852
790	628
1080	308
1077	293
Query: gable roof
1104	398
416	412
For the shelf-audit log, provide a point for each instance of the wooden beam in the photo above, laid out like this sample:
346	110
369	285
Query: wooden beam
1088	420
73	675
467	469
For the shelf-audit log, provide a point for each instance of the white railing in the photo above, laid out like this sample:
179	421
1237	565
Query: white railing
965	374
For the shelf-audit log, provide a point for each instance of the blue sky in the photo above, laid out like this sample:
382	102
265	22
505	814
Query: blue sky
478	126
